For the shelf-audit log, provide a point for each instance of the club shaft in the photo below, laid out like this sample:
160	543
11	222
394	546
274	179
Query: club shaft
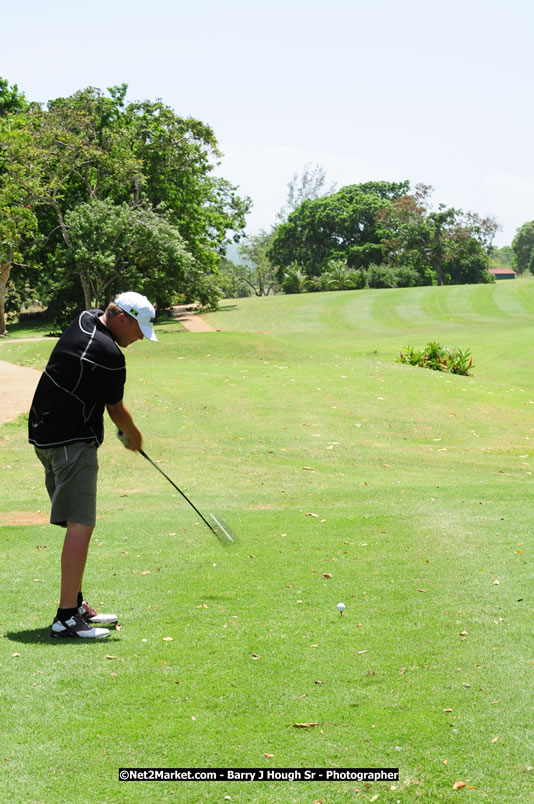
186	498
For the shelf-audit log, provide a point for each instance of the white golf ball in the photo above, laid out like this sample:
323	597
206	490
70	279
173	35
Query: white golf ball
341	607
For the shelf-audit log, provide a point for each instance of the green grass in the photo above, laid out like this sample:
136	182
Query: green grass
420	486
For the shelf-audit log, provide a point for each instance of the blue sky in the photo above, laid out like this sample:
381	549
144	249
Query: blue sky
430	91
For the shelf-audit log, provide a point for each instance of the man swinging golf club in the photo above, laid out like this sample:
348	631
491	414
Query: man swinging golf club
84	375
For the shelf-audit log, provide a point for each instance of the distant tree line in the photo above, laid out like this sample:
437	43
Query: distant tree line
377	234
98	195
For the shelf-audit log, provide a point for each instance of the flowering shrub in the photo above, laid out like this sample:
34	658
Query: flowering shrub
438	358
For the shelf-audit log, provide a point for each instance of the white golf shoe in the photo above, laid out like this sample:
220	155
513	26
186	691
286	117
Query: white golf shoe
92	616
77	627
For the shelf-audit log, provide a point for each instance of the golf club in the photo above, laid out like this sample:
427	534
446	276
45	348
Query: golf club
221	531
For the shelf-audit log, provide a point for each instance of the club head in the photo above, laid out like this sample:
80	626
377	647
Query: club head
223	532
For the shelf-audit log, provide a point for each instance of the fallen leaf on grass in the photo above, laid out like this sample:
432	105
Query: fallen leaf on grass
304	725
327	575
145	572
108	656
255	655
202	606
15	654
268	756
458	785
316	515
447	710
421	590
495	739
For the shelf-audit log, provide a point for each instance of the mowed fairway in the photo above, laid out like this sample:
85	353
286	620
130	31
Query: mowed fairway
349	477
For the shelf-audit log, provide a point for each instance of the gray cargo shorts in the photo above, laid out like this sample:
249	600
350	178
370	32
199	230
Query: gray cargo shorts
70	477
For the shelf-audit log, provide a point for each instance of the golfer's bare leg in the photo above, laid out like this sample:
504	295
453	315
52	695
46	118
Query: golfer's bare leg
73	560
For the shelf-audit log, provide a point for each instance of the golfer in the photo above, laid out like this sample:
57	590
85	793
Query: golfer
85	374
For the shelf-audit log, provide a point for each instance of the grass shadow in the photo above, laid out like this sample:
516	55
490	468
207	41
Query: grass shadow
35	636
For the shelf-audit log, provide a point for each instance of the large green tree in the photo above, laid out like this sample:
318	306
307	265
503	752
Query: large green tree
523	246
178	158
20	186
90	148
454	245
112	246
343	225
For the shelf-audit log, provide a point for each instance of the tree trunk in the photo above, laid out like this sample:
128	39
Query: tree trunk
86	291
436	265
5	270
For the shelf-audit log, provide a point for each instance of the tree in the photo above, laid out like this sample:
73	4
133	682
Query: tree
258	272
90	148
113	246
229	280
523	246
503	258
310	184
178	157
340	226
19	189
455	245
11	100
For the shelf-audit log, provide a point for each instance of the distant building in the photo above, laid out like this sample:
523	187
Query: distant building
502	273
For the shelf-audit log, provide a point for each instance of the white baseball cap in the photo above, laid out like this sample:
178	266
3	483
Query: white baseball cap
139	308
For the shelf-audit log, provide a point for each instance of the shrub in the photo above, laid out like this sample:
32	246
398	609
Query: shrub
381	276
408	277
295	279
438	358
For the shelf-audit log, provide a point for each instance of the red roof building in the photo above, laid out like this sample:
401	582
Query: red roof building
502	273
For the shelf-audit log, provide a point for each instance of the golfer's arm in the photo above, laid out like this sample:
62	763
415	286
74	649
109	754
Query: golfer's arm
122	419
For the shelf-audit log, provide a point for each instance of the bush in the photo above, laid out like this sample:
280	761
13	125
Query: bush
438	358
408	277
381	276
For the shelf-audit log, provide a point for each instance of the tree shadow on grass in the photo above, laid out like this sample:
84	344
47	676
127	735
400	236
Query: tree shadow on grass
41	636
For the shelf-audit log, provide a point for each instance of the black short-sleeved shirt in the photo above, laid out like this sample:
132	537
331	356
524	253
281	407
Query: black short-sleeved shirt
86	371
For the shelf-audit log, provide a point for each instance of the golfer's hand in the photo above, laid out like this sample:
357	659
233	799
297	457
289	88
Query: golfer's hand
133	439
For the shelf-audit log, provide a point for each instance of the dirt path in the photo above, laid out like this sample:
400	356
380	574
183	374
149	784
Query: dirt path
17	383
185	314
